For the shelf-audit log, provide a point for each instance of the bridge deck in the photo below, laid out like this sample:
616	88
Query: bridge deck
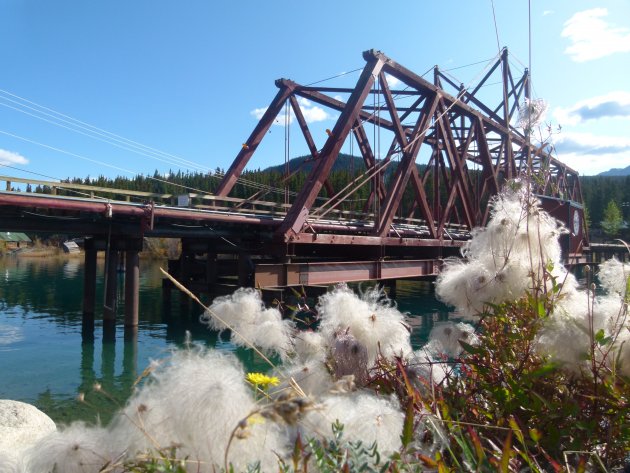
225	217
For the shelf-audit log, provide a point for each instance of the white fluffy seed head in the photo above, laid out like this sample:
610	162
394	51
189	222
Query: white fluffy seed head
371	318
613	276
309	345
313	377
445	338
196	401
505	259
250	321
365	417
567	334
76	449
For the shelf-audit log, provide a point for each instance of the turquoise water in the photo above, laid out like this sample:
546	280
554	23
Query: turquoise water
46	361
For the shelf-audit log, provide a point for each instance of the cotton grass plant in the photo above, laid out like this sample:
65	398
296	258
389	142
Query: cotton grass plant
533	377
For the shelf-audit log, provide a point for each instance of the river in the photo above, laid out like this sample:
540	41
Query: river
46	361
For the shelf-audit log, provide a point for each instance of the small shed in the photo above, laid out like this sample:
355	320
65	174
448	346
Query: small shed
14	240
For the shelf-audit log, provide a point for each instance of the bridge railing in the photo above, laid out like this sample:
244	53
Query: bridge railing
191	199
333	221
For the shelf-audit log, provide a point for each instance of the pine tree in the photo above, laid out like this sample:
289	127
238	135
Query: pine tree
612	219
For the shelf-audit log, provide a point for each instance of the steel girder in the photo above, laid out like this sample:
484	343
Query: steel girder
473	147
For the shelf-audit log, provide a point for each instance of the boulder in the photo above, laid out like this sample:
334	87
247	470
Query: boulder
21	425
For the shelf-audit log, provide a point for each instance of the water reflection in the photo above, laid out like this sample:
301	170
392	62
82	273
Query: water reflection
48	356
9	335
71	268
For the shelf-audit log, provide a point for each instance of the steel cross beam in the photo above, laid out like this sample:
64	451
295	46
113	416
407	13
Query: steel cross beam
246	152
296	217
307	136
403	171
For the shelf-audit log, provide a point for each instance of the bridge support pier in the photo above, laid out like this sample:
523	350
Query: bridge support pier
132	288
118	250
89	293
111	290
391	288
185	260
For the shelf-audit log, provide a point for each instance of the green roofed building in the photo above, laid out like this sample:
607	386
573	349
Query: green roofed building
11	240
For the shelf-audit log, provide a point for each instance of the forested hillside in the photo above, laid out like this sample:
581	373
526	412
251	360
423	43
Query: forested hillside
598	191
270	184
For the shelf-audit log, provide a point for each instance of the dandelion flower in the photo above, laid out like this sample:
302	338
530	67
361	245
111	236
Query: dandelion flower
262	380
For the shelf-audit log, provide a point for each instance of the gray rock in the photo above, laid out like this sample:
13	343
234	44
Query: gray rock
21	425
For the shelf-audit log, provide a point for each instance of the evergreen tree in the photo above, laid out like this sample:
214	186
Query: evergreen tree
612	219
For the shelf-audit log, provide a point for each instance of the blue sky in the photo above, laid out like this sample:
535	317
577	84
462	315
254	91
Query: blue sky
187	79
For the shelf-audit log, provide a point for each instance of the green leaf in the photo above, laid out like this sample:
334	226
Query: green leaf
543	370
506	454
517	430
407	434
535	435
601	338
540	306
470	348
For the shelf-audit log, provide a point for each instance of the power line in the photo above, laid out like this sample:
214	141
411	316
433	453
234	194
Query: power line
496	29
4	165
102	163
104	140
334	77
99	134
81	124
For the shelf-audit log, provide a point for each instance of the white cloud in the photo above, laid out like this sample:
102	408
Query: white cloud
392	81
312	113
304	102
315	114
9	157
591	154
612	105
548	12
258	113
592	37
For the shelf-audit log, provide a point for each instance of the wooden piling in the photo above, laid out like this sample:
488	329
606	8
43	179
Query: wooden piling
89	291
111	280
391	288
132	288
130	353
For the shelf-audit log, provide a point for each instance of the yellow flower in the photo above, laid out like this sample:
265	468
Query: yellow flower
259	379
255	419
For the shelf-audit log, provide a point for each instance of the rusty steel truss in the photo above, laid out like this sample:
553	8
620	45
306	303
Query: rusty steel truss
471	149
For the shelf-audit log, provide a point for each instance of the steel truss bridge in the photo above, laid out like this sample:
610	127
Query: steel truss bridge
470	144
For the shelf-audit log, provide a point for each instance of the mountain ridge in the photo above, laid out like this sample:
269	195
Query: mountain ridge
616	172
